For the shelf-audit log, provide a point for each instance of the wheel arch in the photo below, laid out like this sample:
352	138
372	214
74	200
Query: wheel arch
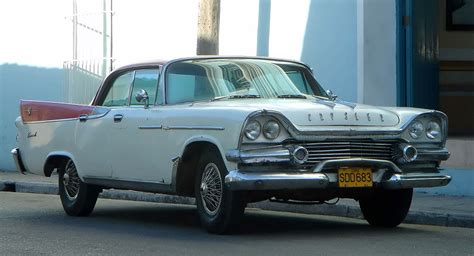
186	171
55	160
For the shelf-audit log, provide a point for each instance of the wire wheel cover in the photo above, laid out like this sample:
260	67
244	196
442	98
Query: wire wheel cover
71	181
211	188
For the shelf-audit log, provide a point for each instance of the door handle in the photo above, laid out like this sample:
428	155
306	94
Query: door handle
118	118
83	117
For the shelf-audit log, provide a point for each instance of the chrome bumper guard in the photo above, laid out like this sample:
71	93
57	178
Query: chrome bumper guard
18	162
386	174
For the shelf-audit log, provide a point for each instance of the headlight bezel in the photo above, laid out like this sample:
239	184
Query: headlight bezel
425	119
264	117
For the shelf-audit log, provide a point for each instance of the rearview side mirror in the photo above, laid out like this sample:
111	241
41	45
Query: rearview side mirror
332	96
142	96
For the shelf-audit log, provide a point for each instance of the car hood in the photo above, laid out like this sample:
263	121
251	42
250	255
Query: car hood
318	112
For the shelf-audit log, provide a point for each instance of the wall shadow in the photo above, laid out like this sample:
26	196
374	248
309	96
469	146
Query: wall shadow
330	45
23	82
263	32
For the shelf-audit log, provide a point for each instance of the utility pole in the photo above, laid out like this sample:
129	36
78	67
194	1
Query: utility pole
74	30
208	27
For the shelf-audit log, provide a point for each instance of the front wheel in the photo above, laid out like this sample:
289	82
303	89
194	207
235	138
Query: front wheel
386	208
219	208
77	197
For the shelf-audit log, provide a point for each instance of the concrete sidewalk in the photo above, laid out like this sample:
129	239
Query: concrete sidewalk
426	209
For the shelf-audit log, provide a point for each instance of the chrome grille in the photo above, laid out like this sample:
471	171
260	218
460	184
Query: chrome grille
328	150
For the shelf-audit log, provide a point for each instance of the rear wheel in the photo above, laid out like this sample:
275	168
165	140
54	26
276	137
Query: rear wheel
219	209
77	197
386	208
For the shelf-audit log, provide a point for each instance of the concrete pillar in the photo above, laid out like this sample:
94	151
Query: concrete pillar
208	27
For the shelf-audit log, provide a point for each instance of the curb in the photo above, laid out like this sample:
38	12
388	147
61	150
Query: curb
340	210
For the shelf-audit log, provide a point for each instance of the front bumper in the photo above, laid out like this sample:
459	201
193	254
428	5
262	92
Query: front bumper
385	174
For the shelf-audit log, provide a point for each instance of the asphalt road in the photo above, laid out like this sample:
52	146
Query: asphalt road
33	224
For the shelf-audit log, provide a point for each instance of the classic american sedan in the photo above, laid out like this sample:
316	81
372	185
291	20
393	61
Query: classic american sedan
229	131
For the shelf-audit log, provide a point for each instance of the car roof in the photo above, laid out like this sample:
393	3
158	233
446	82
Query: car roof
160	62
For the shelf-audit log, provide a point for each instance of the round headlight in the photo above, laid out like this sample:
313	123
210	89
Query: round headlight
252	130
271	130
433	130
416	130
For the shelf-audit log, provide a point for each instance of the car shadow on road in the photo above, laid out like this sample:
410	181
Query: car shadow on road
255	222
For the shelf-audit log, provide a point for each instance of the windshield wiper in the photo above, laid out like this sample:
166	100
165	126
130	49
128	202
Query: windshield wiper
238	96
291	96
244	96
220	98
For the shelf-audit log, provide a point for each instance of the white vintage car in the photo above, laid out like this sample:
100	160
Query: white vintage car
228	131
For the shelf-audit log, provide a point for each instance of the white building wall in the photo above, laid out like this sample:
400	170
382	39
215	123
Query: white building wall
288	28
150	29
238	27
378	51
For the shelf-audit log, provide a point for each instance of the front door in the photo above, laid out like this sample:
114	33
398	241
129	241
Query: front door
134	128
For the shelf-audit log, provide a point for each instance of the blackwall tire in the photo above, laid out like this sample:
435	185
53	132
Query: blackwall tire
386	208
77	197
219	209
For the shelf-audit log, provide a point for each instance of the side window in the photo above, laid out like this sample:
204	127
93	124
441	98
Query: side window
118	94
146	79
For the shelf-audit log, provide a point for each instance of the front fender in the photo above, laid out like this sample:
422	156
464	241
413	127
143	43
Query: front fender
213	140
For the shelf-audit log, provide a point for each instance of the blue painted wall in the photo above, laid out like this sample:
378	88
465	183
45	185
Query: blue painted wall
330	45
22	82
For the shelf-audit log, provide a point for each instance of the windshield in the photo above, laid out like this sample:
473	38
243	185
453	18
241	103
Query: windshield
213	79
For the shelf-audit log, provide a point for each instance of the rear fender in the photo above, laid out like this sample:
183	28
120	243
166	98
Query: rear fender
55	160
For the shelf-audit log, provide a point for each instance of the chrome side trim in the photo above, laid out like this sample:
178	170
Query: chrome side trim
193	127
96	113
18	162
412	180
52	121
150	127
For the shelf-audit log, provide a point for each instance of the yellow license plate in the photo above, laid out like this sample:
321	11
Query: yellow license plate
354	177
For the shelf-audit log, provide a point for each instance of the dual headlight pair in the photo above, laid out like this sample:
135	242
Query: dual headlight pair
270	130
432	130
